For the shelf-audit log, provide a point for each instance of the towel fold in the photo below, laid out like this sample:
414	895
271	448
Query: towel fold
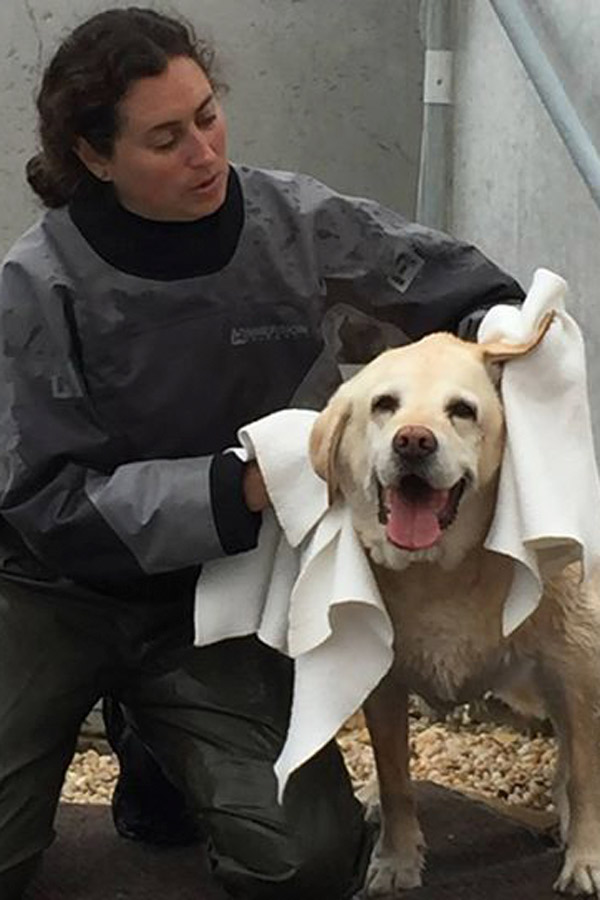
306	590
548	507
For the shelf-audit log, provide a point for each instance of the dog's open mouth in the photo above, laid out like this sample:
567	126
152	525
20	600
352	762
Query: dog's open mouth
415	514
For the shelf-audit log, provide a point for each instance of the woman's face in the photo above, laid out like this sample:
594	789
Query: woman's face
170	157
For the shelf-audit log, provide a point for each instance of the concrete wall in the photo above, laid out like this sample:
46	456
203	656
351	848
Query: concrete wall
516	191
330	87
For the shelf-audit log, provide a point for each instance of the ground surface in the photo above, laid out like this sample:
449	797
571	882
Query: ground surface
474	852
493	839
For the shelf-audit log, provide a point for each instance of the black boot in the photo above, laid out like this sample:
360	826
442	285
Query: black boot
145	805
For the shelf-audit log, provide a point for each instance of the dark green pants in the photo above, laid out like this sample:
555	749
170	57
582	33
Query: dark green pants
214	718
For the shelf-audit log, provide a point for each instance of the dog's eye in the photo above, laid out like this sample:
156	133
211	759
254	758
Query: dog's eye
385	403
460	409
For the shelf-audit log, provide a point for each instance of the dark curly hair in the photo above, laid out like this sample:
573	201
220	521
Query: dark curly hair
88	76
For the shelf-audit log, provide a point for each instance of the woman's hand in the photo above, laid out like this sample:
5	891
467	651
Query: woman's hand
253	485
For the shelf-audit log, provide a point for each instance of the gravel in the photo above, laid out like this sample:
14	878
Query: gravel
90	778
491	760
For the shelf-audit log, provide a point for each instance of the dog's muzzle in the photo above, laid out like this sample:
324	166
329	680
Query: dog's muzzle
415	513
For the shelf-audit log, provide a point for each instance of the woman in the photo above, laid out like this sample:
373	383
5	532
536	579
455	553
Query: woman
164	299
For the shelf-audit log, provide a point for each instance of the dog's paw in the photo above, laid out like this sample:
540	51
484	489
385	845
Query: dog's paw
580	875
390	874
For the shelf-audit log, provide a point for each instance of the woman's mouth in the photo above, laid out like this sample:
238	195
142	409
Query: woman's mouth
209	184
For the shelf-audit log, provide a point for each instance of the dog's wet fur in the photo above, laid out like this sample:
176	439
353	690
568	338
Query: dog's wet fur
414	444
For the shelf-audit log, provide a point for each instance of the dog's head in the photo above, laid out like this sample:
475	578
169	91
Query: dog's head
414	443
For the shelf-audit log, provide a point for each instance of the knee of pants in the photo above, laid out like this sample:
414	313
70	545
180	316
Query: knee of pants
316	845
14	881
331	865
279	866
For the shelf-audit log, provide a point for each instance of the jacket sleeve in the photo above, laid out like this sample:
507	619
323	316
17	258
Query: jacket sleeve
67	488
415	278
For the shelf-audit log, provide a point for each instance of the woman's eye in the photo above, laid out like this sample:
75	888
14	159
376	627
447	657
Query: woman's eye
166	145
206	121
385	403
461	409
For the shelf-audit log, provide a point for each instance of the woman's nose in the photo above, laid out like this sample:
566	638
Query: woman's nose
200	150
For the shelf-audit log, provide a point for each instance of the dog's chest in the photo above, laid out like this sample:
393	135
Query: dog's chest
448	630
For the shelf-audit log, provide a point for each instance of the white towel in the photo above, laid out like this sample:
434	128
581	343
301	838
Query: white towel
548	508
306	590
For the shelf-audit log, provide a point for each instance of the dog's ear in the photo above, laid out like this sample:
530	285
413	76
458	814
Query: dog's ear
325	440
499	351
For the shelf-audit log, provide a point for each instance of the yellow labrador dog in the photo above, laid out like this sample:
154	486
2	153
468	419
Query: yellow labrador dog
414	443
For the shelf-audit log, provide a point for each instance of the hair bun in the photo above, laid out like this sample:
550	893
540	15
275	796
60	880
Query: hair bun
52	189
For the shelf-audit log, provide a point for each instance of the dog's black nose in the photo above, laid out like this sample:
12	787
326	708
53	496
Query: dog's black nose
414	442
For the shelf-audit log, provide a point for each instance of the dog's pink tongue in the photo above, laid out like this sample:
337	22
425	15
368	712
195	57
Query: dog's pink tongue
414	526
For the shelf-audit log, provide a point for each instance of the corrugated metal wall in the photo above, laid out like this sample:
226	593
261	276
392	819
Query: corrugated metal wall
516	191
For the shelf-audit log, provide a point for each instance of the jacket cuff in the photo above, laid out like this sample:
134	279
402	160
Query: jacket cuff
236	525
468	326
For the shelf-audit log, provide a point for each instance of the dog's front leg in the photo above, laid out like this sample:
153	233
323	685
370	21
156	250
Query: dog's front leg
398	856
575	707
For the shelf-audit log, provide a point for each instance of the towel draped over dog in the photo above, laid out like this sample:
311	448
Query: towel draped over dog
548	508
307	589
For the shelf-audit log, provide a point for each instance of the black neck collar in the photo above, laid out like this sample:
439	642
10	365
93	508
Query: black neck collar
165	251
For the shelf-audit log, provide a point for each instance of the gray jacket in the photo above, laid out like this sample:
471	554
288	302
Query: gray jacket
119	393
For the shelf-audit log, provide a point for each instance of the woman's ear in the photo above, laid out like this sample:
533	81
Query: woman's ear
94	162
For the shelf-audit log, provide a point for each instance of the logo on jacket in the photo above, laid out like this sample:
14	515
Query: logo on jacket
407	266
259	334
